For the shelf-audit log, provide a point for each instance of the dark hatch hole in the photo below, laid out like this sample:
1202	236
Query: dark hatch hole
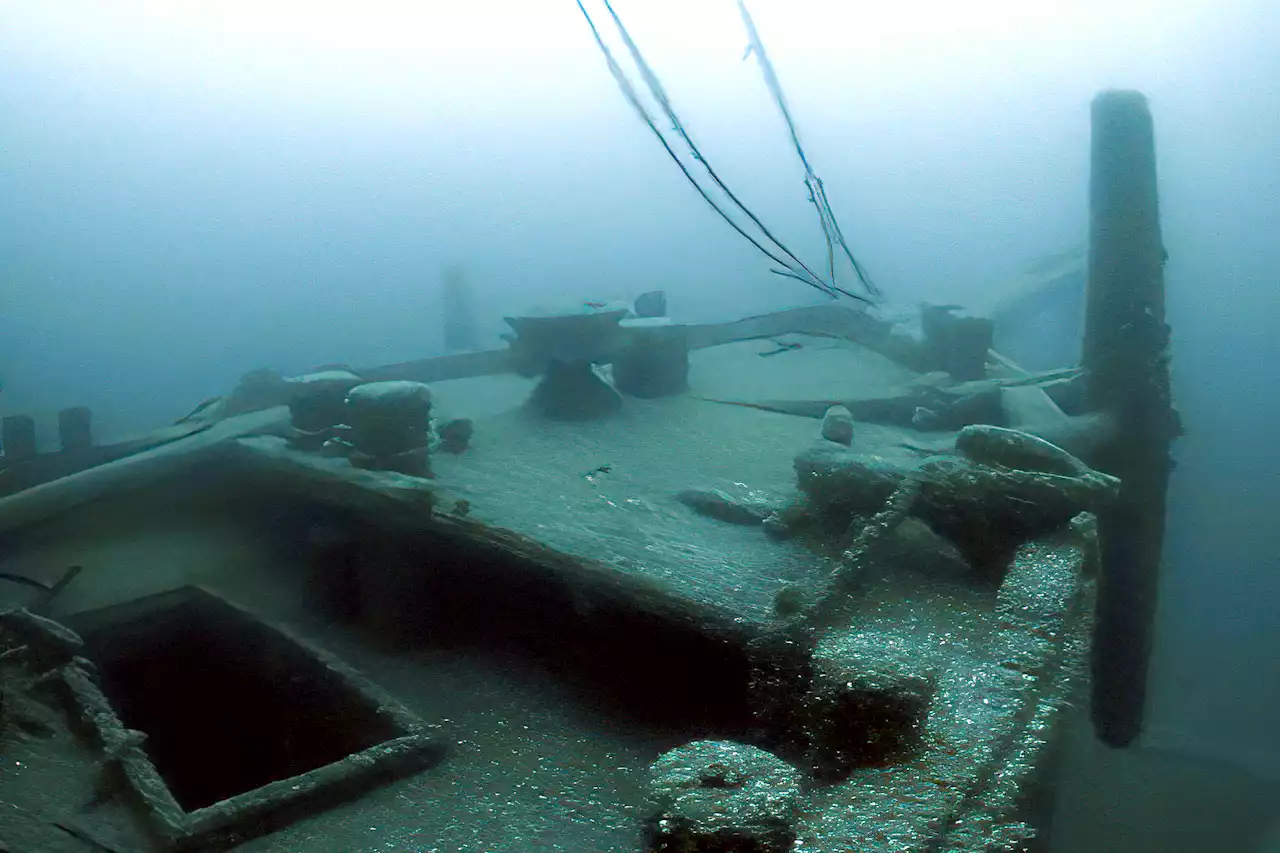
228	703
632	653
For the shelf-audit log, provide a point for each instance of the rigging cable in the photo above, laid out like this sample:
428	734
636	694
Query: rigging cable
817	192
794	268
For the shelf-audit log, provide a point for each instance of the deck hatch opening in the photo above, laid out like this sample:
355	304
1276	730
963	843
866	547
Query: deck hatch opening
228	703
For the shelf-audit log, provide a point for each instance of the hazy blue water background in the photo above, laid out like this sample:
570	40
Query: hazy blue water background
190	191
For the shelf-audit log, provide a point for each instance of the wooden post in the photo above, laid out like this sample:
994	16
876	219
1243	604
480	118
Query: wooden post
1126	362
459	313
75	429
654	363
958	345
18	438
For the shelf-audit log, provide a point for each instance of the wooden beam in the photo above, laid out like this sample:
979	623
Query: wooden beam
461	366
17	439
204	445
1126	362
45	467
831	320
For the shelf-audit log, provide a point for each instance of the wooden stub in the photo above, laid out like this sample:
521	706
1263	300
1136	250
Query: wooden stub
651	304
459	312
44	602
654	363
830	320
958	345
75	429
18	438
1125	358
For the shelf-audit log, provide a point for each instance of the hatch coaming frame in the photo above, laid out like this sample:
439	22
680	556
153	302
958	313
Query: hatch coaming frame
415	746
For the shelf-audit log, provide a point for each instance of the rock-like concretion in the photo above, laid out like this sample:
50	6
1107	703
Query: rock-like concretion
833	476
837	425
723	797
1011	448
986	508
455	435
868	700
317	400
714	503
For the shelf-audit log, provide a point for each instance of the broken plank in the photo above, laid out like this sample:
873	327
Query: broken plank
52	466
824	320
133	472
440	368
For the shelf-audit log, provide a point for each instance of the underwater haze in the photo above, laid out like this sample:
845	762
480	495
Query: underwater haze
189	191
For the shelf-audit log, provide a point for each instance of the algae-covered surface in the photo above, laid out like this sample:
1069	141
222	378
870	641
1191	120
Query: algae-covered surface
1007	663
794	367
537	761
607	489
533	764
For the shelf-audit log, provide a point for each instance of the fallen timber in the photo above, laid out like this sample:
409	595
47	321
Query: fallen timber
1126	359
139	469
42	468
826	320
892	409
835	321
